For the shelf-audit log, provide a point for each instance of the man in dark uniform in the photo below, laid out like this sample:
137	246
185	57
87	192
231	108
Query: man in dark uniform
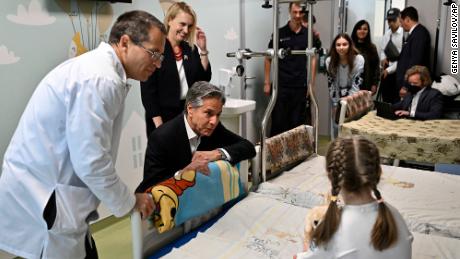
290	108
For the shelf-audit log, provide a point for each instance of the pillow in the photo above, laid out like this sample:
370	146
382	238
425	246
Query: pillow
191	194
448	86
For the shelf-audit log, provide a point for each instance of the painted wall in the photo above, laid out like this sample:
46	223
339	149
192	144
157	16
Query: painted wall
37	35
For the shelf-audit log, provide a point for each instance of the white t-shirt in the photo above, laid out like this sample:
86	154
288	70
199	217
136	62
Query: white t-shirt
353	237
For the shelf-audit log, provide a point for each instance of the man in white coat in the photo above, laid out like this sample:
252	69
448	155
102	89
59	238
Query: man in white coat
60	162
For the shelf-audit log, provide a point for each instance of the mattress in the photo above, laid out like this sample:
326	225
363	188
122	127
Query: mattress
263	227
256	227
428	201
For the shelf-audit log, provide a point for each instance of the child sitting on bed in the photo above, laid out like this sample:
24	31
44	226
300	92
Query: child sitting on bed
364	226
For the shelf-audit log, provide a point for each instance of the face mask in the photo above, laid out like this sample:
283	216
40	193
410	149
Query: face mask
413	89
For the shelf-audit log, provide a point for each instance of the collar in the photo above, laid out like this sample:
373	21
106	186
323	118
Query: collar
190	133
420	92
301	30
400	30
107	48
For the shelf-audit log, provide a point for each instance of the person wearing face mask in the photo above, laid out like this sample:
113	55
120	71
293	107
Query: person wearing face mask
345	69
422	102
186	62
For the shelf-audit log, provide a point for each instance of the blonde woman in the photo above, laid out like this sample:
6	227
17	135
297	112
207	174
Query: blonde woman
185	62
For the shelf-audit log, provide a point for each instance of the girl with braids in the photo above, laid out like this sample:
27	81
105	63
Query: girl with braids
364	226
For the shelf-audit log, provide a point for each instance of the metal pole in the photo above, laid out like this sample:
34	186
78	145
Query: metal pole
241	62
311	95
272	102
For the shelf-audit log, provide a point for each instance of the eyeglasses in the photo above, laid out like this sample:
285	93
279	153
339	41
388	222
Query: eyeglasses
154	55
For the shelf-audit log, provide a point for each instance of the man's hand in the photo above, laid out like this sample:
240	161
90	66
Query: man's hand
374	89
385	63
402	113
210	156
157	121
199	164
384	73
402	92
144	204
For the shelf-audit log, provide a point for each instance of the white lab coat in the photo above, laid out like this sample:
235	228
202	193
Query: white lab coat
66	141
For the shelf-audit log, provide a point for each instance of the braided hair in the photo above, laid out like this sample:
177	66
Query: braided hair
353	164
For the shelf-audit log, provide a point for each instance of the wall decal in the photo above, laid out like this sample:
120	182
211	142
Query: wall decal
231	34
7	57
76	46
32	15
90	23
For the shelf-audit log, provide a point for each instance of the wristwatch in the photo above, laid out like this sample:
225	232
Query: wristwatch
223	156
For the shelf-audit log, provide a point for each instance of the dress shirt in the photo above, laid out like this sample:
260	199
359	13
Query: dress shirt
413	106
193	138
194	141
182	79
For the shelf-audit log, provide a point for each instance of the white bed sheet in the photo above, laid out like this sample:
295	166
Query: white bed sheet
263	227
428	201
256	227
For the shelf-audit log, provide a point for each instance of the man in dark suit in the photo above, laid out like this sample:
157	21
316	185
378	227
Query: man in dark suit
422	102
191	140
416	49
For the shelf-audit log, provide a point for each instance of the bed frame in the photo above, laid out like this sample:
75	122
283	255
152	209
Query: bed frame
146	242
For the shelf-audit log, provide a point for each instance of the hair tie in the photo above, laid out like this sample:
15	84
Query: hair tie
334	198
380	200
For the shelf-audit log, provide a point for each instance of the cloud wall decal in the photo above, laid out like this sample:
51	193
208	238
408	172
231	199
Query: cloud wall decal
31	15
7	57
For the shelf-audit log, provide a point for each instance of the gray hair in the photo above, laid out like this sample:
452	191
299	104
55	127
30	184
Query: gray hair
202	90
135	24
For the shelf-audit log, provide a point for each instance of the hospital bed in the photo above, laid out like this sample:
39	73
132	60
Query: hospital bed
430	141
269	222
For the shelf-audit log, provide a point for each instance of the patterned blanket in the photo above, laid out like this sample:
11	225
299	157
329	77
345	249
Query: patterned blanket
192	194
431	141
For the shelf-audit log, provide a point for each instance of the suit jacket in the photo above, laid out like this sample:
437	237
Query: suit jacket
416	51
161	92
429	105
168	150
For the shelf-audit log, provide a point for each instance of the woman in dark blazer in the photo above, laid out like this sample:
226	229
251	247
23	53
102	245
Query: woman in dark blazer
185	63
